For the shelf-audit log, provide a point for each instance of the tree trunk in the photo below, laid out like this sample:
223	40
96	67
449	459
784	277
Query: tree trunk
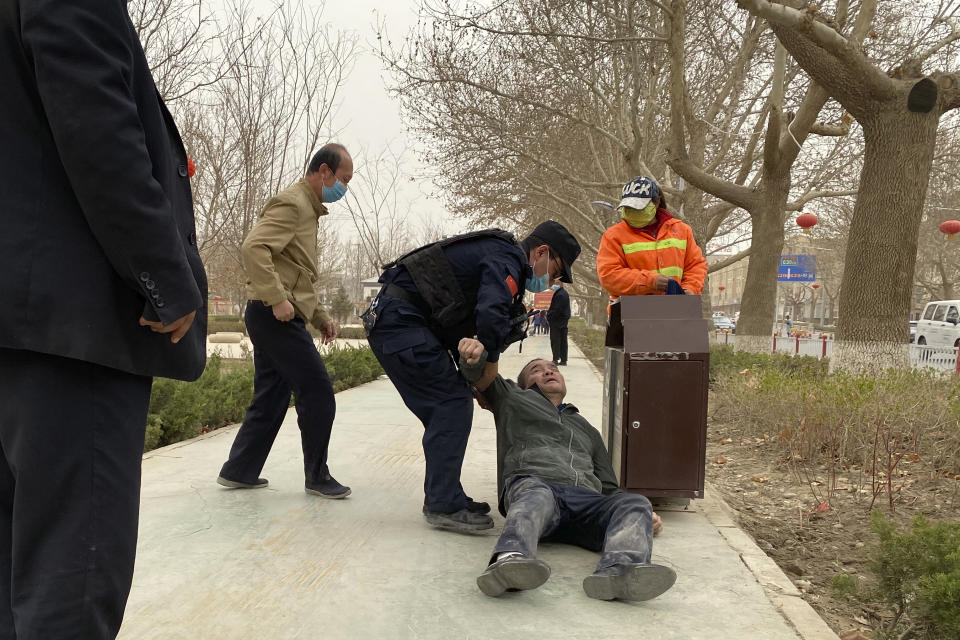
758	307
873	333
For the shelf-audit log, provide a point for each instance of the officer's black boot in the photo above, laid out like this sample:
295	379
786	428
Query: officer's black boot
463	521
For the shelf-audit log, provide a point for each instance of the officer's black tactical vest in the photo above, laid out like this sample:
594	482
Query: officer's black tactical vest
437	285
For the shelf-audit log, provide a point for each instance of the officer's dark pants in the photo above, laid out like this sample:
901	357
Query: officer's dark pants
71	435
428	381
285	360
620	525
558	343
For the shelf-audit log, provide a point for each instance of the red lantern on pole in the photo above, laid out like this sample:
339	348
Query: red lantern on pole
950	227
815	285
806	221
191	167
721	288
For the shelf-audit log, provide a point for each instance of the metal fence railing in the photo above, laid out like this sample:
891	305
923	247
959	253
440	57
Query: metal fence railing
940	358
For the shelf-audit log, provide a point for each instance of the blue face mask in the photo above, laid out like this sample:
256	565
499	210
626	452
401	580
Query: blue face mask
555	287
334	193
536	285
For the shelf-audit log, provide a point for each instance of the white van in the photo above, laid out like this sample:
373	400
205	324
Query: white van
940	324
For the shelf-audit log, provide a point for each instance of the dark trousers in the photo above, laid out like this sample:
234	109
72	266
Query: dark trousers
71	435
558	343
424	374
285	361
619	525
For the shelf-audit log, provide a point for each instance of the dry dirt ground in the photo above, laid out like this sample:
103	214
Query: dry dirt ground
814	534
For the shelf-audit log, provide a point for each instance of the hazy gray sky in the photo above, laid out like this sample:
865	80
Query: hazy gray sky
368	117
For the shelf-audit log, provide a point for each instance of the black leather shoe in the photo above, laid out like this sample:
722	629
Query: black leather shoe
328	488
477	507
463	521
472	507
516	573
259	483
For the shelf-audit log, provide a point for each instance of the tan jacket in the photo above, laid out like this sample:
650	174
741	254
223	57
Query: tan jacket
280	253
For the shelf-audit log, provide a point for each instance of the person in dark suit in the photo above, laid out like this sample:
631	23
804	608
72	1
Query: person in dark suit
103	288
559	316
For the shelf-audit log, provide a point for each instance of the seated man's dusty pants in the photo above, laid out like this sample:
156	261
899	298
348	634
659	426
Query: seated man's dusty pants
619	525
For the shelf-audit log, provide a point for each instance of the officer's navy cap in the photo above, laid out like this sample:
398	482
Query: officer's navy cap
561	242
639	192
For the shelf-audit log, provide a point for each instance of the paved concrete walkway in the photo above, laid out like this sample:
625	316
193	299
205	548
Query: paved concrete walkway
278	564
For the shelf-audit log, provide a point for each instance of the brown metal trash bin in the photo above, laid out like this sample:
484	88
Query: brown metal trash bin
655	404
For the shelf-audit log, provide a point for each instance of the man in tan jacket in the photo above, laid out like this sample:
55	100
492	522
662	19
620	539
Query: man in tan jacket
280	255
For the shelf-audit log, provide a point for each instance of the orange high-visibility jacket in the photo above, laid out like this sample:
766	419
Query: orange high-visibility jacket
629	259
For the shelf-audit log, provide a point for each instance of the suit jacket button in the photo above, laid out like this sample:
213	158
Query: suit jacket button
154	294
150	284
192	238
160	303
144	276
182	170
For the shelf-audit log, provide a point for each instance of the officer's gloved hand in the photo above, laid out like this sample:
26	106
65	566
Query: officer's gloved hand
473	358
674	288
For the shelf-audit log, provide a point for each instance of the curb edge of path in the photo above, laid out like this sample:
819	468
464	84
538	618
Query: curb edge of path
780	591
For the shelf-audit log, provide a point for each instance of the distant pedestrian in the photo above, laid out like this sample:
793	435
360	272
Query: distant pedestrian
559	315
536	323
544	322
789	324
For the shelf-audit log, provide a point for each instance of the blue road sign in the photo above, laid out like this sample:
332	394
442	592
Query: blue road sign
797	268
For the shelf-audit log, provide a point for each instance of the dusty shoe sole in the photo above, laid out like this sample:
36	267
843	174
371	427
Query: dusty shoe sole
330	496
447	524
233	484
513	573
637	583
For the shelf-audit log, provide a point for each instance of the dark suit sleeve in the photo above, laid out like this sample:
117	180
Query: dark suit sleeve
84	53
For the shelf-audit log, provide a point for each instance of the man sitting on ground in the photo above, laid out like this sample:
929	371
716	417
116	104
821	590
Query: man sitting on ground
556	483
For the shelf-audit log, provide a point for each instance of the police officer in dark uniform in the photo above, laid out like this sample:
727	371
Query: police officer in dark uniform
465	286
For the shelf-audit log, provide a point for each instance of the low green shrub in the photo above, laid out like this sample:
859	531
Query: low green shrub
918	576
183	410
726	361
351	366
825	423
844	585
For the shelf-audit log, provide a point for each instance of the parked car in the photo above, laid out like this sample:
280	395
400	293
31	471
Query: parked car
723	323
913	331
938	326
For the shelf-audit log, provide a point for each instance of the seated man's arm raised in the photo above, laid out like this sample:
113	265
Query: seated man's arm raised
473	363
489	387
